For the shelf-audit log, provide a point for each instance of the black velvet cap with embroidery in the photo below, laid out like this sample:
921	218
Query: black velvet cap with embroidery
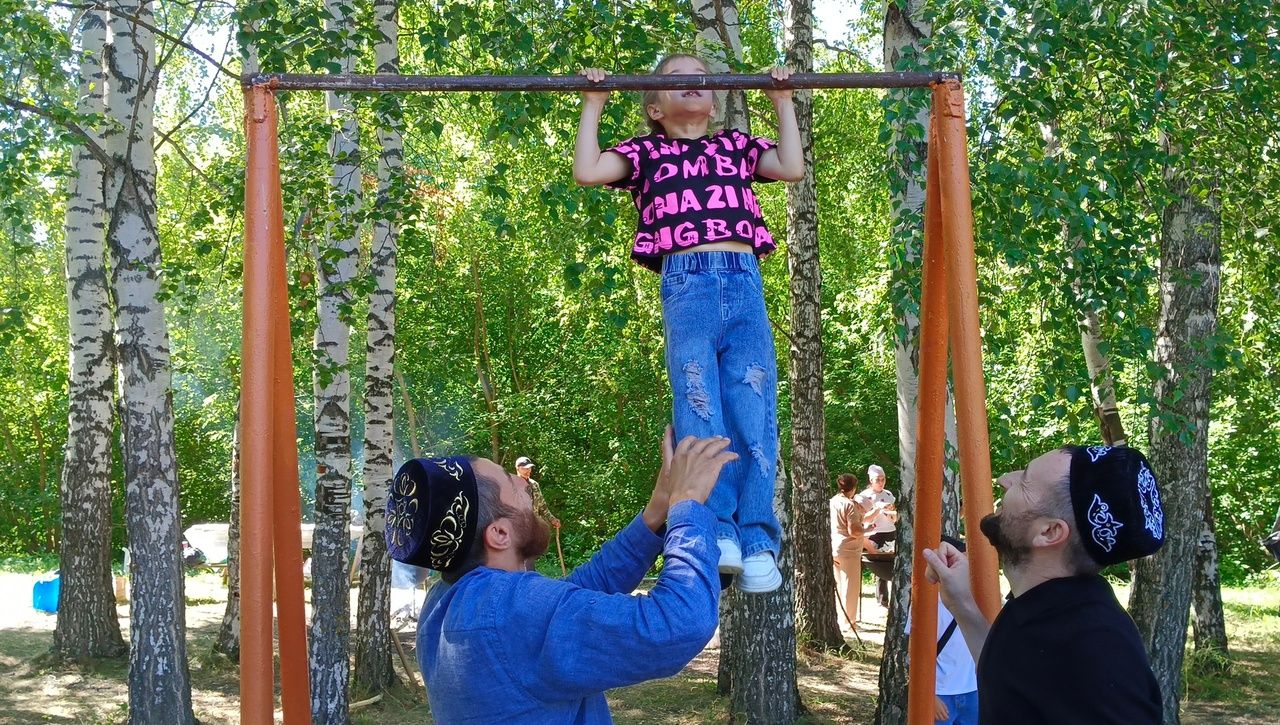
1117	503
432	513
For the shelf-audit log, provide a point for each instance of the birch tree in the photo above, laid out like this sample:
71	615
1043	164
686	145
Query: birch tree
815	580
87	624
227	641
373	643
159	681
757	667
758	637
336	259
1190	268
906	31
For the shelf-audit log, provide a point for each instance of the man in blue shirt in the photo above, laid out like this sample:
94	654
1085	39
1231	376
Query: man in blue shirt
498	642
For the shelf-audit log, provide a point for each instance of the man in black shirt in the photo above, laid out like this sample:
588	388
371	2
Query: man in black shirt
1062	650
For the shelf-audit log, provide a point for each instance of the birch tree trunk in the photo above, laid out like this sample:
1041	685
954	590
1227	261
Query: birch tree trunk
227	641
758	639
373	616
159	682
905	34
1102	385
816	620
757	632
336	259
1209	628
719	42
1190	265
87	624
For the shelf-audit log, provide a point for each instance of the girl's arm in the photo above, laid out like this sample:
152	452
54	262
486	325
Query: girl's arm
591	167
786	161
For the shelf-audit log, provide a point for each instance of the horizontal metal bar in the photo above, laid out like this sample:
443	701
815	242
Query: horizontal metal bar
390	82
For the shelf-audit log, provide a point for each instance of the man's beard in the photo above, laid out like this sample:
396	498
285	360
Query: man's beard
997	530
534	536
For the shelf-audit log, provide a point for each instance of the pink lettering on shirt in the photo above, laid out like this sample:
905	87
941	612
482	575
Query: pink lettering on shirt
694	169
689	201
686	234
665	171
717	229
725	167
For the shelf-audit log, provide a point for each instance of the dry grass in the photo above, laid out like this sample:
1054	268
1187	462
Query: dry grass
835	689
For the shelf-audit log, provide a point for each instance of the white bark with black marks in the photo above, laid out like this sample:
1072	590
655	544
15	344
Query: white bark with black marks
1190	268
227	642
905	34
718	42
817	621
87	624
336	259
373	670
757	668
1209	625
159	681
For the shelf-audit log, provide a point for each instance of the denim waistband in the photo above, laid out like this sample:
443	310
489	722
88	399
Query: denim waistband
707	261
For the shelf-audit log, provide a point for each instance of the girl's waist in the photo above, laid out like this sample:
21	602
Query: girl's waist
698	260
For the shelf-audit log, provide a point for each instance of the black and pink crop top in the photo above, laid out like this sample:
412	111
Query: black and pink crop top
694	191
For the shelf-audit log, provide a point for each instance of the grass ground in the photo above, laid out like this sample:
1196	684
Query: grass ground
835	689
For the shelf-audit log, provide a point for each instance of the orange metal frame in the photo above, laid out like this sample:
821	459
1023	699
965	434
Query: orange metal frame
270	508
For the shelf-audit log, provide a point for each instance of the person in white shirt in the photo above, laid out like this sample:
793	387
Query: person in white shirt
956	687
879	522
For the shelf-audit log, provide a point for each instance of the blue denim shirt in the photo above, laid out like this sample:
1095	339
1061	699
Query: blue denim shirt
518	647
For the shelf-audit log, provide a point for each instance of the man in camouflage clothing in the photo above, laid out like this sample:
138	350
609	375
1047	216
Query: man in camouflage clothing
524	469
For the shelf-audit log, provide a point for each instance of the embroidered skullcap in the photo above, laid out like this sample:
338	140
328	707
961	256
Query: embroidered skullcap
1117	503
432	513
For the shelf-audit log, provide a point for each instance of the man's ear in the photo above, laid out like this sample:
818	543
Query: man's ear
1051	532
497	535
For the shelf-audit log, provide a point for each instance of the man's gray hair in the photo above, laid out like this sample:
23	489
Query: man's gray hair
874	470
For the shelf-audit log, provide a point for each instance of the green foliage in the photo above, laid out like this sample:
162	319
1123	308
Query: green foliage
524	329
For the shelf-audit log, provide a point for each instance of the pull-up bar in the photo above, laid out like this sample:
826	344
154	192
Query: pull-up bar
270	516
394	83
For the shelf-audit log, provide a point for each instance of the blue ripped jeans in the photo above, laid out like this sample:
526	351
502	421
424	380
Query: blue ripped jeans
724	381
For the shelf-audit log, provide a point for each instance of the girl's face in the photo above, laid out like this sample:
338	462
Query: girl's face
686	105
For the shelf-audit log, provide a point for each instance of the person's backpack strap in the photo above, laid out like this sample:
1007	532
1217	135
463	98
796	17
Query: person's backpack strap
946	635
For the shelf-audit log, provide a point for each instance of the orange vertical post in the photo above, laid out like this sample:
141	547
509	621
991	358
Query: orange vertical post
973	435
295	677
930	434
261	234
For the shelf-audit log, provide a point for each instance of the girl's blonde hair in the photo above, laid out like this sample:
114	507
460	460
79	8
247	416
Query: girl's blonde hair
650	98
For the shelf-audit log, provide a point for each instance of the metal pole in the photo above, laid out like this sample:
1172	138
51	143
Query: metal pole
257	352
391	82
966	341
295	676
930	433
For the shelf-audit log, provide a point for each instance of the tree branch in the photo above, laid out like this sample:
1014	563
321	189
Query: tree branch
142	23
90	142
164	137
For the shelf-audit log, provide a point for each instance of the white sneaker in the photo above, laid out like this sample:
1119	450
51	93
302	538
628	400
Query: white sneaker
730	556
759	575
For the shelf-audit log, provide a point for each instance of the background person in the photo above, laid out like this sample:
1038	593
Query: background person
524	469
846	546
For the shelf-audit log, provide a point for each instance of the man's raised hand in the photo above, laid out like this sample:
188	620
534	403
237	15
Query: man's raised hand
695	467
949	568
